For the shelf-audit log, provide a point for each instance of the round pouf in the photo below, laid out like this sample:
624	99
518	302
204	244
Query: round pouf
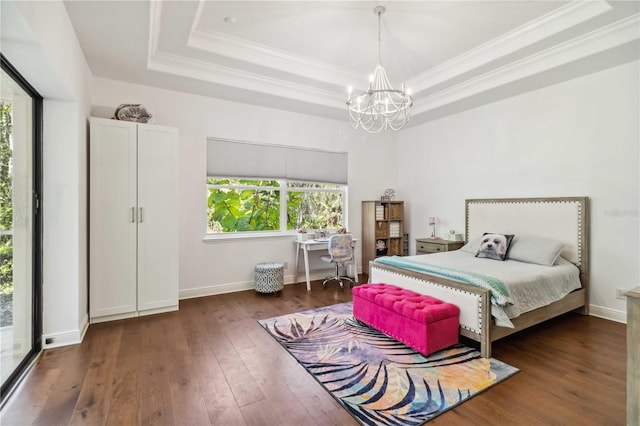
269	277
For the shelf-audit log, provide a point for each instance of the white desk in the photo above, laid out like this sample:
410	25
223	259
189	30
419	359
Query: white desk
313	245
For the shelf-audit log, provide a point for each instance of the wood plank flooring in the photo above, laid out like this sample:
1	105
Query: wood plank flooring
212	364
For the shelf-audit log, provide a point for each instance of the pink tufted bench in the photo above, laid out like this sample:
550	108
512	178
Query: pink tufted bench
422	322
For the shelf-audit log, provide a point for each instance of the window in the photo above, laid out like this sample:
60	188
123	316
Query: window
315	205
273	189
253	205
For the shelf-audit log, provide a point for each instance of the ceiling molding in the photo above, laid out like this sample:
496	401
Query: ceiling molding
546	26
263	56
570	15
158	60
155	16
615	34
574	13
218	74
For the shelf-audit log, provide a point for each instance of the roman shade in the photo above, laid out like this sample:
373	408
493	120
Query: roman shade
226	158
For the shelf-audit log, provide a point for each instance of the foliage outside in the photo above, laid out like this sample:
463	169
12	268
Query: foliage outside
6	203
256	208
320	209
247	205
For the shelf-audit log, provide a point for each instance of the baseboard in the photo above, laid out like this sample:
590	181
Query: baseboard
55	340
73	337
608	313
190	293
134	314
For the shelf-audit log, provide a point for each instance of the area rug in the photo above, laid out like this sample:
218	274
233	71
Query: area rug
378	380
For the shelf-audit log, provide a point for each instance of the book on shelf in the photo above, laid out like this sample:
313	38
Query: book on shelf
379	212
394	229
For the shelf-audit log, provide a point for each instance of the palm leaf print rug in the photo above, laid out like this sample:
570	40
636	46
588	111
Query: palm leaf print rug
378	380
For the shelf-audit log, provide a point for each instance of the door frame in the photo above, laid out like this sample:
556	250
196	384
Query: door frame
36	321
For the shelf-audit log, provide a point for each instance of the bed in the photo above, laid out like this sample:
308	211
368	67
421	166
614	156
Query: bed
561	219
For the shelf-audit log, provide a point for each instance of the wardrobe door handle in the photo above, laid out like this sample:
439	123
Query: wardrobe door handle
141	214
133	215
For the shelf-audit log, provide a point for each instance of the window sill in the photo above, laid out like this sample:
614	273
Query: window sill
210	238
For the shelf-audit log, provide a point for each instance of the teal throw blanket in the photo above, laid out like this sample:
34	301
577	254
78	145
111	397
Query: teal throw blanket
499	292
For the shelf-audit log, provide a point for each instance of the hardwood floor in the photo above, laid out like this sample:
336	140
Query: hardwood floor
211	363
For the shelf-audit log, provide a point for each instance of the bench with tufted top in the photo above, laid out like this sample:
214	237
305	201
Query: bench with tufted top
422	322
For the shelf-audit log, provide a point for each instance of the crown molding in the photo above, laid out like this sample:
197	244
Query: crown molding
263	56
226	76
155	15
158	60
241	50
597	41
567	16
543	27
605	38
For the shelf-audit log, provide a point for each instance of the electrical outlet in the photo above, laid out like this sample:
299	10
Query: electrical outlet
286	265
620	293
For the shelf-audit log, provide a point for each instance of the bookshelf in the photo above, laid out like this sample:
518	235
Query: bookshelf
382	230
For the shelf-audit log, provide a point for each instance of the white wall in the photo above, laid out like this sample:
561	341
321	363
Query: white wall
576	138
39	40
228	265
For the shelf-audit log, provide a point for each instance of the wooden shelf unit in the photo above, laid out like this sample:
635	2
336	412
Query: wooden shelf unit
382	224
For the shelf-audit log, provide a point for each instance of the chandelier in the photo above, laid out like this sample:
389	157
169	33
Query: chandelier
381	107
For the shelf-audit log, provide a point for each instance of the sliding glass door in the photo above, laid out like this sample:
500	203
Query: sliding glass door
20	284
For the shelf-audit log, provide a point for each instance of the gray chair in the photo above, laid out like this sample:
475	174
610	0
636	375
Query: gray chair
340	253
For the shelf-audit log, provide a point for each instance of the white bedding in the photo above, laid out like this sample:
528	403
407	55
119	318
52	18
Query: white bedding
530	286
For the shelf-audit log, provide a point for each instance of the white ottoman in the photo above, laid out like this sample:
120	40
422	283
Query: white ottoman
269	277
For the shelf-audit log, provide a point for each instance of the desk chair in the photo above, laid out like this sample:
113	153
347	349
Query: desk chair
340	252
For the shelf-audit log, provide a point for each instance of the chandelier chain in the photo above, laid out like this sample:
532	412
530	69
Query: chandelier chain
379	38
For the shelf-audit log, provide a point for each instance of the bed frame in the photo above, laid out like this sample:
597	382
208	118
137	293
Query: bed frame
564	219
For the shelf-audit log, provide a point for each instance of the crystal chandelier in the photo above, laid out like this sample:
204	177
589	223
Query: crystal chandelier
381	107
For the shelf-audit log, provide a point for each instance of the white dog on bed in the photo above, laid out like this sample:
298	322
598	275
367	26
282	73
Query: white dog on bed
493	246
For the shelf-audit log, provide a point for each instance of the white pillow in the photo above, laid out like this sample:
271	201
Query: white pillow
472	246
534	250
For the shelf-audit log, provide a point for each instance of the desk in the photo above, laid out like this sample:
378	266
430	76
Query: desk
313	245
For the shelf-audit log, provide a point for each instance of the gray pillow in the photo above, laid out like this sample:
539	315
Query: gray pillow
535	250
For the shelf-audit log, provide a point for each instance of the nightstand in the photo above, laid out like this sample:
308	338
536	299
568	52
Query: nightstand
436	245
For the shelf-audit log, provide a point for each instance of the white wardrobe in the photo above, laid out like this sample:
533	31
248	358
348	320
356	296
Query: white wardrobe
133	219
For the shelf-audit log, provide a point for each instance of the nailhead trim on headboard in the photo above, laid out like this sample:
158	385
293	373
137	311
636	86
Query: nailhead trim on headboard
580	202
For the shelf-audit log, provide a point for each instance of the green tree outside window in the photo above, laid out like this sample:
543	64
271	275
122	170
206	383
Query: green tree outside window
6	204
245	205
